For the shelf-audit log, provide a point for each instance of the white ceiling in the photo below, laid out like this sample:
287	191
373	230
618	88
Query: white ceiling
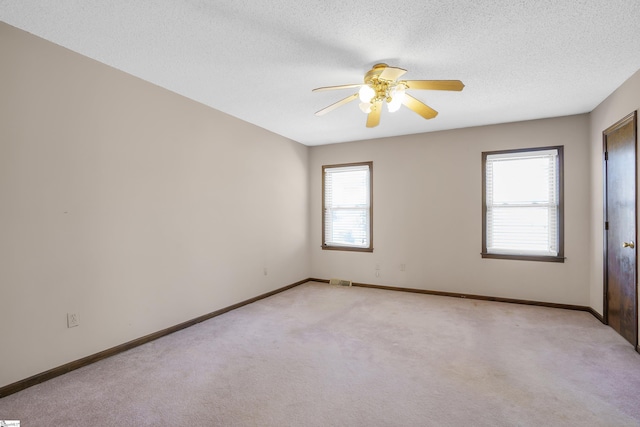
259	60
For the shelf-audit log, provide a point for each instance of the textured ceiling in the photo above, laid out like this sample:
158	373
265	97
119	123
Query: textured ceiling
258	60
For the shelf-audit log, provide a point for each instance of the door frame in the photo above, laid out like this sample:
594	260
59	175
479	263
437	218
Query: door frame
631	117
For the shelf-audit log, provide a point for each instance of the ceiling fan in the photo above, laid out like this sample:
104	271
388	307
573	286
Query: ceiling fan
381	85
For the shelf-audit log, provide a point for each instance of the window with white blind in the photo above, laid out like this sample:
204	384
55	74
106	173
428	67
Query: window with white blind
347	207
523	204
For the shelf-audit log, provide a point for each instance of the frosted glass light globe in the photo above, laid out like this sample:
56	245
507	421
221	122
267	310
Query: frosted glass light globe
397	96
365	107
366	92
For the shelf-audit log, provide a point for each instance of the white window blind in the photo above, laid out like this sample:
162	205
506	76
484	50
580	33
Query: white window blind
522	203
347	206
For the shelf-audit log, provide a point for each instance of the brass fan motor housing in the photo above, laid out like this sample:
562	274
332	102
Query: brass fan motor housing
374	73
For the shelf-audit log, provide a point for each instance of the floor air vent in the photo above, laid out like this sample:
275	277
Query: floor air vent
340	282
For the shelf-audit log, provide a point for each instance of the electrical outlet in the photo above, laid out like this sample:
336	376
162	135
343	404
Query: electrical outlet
265	271
377	266
72	320
403	267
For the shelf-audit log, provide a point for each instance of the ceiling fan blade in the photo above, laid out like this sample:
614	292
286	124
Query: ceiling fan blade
434	84
419	107
318	89
391	73
373	119
337	104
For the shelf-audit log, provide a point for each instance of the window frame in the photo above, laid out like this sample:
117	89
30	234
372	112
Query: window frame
348	248
560	173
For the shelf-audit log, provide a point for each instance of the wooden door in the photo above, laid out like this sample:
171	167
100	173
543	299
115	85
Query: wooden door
620	290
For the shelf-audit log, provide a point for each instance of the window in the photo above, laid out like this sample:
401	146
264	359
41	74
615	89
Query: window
347	207
523	204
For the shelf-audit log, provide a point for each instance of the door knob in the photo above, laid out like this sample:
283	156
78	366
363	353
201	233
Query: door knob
629	245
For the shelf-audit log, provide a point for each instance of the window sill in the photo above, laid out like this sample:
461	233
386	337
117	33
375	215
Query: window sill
525	257
345	248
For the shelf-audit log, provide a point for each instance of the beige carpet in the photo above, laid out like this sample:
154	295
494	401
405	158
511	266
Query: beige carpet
318	355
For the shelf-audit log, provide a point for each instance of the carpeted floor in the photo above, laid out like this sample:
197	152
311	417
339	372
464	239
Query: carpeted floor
318	355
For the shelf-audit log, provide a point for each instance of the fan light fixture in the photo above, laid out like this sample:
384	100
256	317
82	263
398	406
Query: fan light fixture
365	107
392	93
366	93
381	85
396	97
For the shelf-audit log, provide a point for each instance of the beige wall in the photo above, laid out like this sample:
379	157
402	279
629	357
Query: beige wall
427	213
132	206
623	101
